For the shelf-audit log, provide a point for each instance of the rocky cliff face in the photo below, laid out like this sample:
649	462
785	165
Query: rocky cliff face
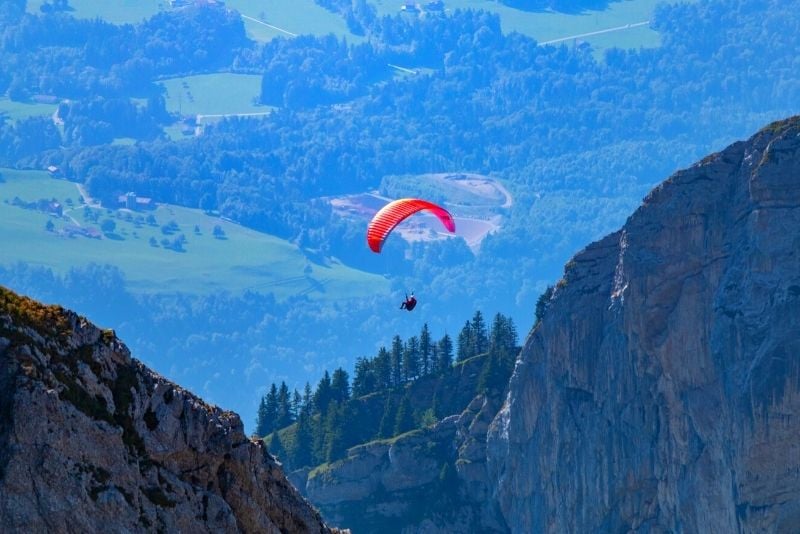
661	391
92	441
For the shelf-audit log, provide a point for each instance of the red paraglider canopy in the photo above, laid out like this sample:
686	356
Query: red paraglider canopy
396	212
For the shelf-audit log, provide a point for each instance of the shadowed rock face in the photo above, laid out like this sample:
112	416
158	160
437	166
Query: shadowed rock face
93	441
661	391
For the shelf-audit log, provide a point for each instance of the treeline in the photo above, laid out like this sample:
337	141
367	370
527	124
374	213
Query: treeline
337	415
56	54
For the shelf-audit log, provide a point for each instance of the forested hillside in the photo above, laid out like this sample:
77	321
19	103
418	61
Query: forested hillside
576	140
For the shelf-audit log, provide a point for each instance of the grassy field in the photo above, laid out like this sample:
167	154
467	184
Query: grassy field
244	260
116	11
209	94
546	25
19	110
293	16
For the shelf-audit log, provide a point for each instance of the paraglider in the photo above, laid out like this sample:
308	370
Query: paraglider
409	303
395	212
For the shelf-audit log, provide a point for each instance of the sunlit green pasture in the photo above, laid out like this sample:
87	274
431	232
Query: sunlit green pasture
276	17
219	93
548	25
15	111
116	11
243	260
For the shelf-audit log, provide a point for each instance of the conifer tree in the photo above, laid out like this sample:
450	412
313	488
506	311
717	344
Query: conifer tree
465	343
425	362
445	349
284	416
270	410
397	361
364	380
303	441
480	339
340	386
383	369
411	359
323	396
297	404
262	419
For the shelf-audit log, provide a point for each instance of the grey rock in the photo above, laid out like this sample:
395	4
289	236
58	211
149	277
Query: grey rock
93	441
661	391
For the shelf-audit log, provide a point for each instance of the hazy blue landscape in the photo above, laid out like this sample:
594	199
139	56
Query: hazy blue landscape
256	117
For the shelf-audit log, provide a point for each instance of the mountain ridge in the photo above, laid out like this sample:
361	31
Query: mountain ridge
93	440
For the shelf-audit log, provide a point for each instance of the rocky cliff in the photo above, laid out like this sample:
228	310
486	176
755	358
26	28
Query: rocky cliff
93	441
661	390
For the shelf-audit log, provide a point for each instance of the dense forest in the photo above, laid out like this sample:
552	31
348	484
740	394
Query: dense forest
404	387
576	139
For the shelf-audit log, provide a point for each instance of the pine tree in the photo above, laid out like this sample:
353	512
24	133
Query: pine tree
397	361
445	354
411	359
425	350
308	398
297	404
284	417
323	395
270	410
262	419
383	369
364	381
465	343
303	441
480	339
340	386
434	360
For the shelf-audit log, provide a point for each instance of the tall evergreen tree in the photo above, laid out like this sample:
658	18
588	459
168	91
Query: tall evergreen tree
284	417
308	398
271	409
411	359
297	404
397	361
480	339
323	395
383	369
434	360
465	343
262	419
445	353
364	379
425	350
303	441
340	386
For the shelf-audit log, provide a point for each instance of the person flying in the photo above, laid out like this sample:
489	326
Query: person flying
409	303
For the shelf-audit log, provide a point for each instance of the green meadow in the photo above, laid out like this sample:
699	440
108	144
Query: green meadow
15	111
116	11
214	94
241	260
293	16
548	25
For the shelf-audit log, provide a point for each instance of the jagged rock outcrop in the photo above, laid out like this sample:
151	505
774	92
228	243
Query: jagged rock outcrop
661	391
431	480
93	441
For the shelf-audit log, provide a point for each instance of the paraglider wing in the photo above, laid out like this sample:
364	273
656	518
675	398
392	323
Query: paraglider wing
396	212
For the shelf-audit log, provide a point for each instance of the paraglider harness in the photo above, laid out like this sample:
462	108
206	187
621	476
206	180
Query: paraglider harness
409	303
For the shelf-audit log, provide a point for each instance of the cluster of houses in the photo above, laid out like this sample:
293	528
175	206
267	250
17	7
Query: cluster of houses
132	201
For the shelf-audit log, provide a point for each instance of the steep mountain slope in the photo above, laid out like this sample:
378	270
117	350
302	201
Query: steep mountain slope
93	441
661	391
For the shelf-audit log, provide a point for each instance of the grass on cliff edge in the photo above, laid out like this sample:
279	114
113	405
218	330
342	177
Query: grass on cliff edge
244	260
